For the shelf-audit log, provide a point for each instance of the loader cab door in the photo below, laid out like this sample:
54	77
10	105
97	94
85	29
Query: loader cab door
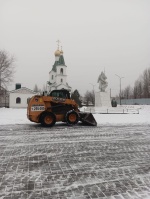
61	94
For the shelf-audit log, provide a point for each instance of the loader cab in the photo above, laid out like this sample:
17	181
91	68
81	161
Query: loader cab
60	93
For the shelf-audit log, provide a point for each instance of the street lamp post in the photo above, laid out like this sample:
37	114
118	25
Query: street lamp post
93	94
120	86
93	86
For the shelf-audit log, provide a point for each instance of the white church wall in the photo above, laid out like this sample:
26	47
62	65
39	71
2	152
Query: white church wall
23	97
62	86
52	88
59	70
52	76
61	79
61	75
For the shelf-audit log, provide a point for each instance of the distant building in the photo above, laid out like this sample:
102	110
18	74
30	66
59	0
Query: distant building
18	98
58	74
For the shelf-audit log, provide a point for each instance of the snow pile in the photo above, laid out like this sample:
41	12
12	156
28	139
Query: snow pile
114	119
19	116
13	116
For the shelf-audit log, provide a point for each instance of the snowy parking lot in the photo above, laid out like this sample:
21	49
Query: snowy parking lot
110	161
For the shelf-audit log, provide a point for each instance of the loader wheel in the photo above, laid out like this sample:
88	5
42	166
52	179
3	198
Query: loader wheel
48	119
72	117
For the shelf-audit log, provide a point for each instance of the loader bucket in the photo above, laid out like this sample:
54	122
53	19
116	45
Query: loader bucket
87	119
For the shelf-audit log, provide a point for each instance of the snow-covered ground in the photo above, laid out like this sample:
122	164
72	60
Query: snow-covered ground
19	116
110	161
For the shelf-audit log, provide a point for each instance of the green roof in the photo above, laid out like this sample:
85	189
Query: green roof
61	61
54	66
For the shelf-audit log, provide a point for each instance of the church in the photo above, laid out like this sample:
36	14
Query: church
58	74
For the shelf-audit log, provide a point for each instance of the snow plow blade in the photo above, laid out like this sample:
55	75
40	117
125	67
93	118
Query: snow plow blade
87	119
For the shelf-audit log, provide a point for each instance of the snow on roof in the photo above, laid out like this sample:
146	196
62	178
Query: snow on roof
23	90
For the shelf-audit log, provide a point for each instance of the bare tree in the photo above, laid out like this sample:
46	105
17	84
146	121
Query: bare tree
36	88
6	68
127	92
135	90
92	97
146	83
89	97
141	87
148	80
44	88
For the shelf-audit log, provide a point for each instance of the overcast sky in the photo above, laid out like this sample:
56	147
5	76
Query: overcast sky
95	35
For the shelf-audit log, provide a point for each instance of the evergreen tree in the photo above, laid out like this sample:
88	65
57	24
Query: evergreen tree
76	97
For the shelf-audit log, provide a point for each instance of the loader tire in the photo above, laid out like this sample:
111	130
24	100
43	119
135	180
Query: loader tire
72	117
48	119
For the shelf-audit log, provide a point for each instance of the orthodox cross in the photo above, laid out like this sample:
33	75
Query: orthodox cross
58	42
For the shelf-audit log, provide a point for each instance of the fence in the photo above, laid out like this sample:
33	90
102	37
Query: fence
142	101
4	104
112	110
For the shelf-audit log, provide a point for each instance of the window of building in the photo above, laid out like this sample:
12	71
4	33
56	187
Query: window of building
61	71
61	80
52	76
18	100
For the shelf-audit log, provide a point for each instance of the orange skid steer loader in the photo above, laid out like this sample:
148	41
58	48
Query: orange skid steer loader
57	107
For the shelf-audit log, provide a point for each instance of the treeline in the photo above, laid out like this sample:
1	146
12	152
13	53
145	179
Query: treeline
141	87
88	99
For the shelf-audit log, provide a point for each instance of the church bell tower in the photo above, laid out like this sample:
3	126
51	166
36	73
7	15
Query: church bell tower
58	74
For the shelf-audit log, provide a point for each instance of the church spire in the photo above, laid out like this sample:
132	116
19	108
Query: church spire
58	41
61	58
57	52
61	51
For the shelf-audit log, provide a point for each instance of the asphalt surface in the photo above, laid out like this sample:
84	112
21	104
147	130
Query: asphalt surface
108	162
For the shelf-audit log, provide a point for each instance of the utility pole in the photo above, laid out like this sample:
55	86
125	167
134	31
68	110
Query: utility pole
93	86
120	86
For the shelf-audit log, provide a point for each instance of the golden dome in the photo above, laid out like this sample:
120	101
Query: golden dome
61	52
57	53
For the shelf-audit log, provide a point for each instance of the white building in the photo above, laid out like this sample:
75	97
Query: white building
58	74
18	98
